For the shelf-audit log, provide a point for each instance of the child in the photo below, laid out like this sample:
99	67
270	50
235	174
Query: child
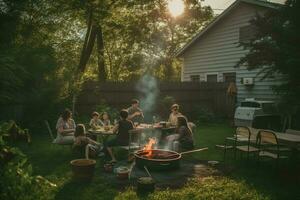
123	127
95	121
104	118
81	140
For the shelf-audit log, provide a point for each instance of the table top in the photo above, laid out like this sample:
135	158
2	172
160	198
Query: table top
102	131
150	127
285	137
137	129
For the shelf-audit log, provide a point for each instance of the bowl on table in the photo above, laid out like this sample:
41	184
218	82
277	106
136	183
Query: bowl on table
163	124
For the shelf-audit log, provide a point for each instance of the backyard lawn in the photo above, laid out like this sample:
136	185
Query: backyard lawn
240	180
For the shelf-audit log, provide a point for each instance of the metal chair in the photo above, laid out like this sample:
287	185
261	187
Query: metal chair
241	142
268	146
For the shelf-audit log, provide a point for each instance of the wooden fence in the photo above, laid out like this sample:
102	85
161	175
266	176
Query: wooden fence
189	95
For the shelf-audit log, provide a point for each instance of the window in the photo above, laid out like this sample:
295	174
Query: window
229	77
212	78
195	78
247	33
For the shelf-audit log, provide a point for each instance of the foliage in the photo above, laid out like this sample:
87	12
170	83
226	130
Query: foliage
165	105
275	50
104	107
16	175
41	46
12	132
28	64
203	115
207	188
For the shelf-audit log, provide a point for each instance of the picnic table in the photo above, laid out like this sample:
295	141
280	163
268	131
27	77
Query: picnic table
102	132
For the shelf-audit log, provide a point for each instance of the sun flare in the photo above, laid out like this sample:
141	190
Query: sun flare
176	7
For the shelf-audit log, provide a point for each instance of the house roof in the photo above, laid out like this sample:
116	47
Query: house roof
262	3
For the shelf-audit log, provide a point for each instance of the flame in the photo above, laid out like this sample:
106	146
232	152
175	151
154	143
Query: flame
149	146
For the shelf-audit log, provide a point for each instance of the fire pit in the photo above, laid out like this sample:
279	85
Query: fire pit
157	159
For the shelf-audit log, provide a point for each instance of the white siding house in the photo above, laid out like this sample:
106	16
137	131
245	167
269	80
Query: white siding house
212	54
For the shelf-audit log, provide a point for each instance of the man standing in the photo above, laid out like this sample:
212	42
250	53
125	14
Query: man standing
135	114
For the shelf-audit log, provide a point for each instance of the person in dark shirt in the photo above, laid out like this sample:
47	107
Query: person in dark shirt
122	139
135	113
183	134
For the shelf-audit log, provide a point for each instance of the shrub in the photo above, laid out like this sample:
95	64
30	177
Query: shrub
17	181
203	115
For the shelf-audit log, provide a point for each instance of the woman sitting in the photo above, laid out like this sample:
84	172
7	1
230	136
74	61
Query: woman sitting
183	134
104	119
122	139
81	140
95	121
65	127
174	114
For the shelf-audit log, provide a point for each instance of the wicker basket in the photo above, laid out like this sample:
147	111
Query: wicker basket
83	169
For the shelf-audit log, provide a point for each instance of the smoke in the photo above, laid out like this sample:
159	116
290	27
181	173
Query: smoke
148	90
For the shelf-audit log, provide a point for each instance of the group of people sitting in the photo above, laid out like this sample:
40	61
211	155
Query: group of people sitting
69	133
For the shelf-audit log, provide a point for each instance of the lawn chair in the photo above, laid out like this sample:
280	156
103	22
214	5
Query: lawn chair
269	147
49	131
241	142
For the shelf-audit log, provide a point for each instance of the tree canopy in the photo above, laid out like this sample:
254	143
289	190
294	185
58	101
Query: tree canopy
42	44
276	50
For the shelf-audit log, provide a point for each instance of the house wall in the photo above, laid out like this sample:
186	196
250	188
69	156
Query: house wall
217	51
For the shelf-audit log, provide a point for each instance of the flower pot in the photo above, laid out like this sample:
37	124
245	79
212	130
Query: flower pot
108	167
83	169
122	173
145	185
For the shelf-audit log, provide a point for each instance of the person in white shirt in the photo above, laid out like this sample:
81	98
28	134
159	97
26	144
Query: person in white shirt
65	127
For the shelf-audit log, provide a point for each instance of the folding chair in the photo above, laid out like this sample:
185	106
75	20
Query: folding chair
241	142
269	147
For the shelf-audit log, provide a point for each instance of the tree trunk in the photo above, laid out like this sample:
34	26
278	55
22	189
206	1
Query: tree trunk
100	54
88	44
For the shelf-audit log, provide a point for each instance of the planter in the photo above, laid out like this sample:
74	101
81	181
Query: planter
122	173
108	167
83	169
145	185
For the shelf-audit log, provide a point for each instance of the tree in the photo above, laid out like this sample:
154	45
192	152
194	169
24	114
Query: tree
276	50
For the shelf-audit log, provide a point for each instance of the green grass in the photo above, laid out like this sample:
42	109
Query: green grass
246	181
